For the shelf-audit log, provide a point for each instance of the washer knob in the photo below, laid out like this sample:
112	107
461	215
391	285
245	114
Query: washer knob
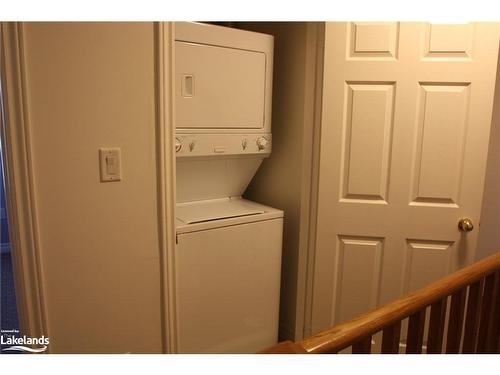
178	144
262	143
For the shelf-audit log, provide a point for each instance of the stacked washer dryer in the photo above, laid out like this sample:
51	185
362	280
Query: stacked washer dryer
228	253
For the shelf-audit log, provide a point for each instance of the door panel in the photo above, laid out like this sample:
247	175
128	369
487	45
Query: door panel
358	274
404	136
427	260
441	130
373	39
449	41
367	140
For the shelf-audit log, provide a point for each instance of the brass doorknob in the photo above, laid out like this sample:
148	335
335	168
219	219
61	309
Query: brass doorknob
465	224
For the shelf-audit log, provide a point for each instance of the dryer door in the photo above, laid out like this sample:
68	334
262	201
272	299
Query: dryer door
219	87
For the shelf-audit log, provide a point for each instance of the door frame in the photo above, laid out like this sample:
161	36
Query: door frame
165	57
19	185
307	246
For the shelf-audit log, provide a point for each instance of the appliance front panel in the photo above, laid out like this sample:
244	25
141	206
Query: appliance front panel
219	87
228	288
213	178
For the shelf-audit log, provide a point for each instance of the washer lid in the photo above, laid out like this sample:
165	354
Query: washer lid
202	211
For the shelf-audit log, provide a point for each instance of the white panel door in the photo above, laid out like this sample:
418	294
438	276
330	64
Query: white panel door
405	126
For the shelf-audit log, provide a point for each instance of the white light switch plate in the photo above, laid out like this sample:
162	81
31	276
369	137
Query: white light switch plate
110	164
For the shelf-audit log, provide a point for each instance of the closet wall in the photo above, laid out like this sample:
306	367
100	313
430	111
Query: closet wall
489	239
284	180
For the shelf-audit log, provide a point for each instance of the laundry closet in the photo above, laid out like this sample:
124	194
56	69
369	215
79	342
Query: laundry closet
379	139
227	124
228	249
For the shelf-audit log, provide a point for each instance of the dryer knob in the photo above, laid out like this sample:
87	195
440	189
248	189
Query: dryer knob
178	144
262	143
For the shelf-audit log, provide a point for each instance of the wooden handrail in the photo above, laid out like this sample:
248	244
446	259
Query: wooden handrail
342	335
285	347
358	331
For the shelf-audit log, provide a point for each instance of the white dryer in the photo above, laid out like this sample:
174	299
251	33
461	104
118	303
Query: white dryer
228	252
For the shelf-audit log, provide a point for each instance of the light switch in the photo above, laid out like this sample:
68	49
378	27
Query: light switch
110	164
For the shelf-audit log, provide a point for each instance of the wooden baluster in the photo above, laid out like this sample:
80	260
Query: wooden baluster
493	342
472	318
415	335
363	346
486	305
390	339
436	327
455	322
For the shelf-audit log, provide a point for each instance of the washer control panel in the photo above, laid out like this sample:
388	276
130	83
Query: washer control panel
222	144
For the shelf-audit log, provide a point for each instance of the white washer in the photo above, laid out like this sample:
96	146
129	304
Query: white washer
228	253
227	276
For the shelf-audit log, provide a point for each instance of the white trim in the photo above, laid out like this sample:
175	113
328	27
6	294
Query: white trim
166	181
21	207
314	182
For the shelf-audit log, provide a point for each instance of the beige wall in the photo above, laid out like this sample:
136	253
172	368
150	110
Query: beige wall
283	180
89	86
489	235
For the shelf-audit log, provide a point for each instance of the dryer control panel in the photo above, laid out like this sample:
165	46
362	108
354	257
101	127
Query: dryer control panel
189	145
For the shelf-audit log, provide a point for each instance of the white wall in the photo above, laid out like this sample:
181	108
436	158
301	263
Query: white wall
88	86
489	234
